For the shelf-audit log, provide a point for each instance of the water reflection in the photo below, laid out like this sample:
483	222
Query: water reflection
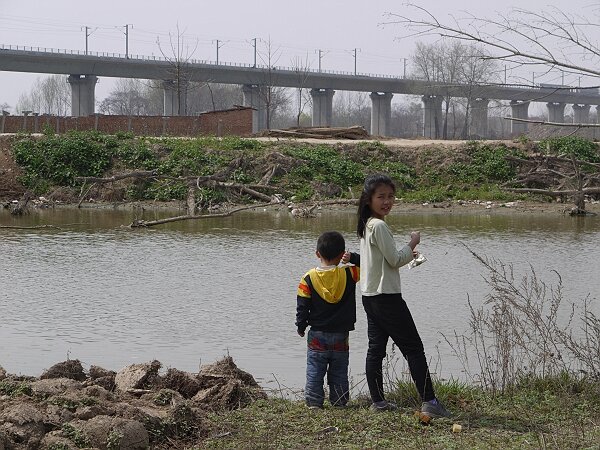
190	292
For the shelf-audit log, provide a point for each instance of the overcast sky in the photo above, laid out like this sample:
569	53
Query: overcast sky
295	29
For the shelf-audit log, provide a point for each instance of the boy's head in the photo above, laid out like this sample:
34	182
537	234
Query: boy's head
331	246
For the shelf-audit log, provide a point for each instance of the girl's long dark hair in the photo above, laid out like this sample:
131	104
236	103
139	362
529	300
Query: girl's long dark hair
364	210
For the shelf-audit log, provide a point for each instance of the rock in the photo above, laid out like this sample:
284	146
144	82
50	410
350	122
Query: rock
54	386
98	372
225	386
57	415
107	382
55	439
2	374
87	412
98	392
137	376
115	432
67	369
23	423
183	382
226	368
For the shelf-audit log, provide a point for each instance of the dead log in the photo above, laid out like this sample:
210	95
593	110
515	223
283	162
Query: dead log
215	181
355	132
36	227
142	223
551	193
19	208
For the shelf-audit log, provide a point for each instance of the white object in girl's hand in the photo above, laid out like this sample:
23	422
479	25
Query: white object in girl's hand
420	259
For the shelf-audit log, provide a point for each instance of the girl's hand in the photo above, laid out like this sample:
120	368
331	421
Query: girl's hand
346	257
415	239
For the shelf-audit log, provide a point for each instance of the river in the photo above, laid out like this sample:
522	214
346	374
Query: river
188	293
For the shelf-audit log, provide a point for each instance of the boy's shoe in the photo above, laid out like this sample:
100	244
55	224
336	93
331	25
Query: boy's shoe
314	407
383	405
433	408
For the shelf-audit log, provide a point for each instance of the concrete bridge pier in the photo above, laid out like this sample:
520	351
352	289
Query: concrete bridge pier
581	113
255	97
322	107
432	116
556	112
83	98
381	113
519	110
175	96
479	117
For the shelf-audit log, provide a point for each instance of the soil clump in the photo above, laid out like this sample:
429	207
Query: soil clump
137	407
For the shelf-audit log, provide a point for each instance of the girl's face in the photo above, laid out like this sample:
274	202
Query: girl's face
382	201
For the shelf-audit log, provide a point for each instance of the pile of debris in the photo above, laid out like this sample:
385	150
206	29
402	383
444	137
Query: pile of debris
355	132
131	409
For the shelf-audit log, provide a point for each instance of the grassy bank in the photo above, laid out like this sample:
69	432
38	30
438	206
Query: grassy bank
51	163
557	413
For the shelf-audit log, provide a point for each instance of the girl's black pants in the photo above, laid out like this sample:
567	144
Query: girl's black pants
389	316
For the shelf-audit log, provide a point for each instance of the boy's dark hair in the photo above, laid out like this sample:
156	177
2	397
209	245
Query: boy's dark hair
331	244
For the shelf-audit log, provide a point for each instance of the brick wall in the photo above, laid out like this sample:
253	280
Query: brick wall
230	122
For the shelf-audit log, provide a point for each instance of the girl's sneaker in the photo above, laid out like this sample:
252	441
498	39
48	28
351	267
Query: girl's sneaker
383	405
433	408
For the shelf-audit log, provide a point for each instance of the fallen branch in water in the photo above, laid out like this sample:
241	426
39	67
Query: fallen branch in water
142	223
214	181
15	227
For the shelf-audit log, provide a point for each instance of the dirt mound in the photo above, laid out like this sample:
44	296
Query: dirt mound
10	188
67	408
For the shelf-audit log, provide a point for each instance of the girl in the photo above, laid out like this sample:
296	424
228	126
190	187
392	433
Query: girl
387	312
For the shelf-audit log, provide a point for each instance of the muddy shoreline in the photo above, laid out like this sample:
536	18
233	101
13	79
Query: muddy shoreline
471	207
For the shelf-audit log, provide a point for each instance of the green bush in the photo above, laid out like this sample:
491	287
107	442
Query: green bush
326	164
578	147
58	159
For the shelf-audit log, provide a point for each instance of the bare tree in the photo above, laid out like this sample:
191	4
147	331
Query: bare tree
130	97
213	96
445	65
351	108
179	54
302	69
274	98
407	119
50	95
440	65
550	37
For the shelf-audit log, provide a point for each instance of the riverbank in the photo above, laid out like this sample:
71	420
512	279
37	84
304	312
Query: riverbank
85	167
142	406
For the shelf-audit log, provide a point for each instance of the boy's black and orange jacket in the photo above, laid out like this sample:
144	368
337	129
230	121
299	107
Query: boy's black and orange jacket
327	298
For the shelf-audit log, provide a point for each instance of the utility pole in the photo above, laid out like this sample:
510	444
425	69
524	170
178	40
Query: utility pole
504	73
404	76
218	47
127	39
86	28
254	44
355	51
320	56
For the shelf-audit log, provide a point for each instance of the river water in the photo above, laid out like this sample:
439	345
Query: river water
188	293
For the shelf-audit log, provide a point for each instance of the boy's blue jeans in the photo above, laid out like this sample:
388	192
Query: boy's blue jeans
327	353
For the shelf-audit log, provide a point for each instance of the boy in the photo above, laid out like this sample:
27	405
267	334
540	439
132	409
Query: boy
326	301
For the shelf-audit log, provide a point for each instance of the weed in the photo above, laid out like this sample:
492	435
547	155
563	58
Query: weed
113	441
15	388
75	435
163	398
